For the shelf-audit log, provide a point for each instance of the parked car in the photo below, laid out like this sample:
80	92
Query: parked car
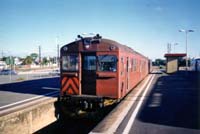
8	72
55	72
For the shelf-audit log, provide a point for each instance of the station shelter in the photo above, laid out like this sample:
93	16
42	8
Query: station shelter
172	59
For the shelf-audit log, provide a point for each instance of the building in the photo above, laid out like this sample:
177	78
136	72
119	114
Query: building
172	59
2	65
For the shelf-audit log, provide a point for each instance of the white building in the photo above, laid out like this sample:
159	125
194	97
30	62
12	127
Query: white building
2	65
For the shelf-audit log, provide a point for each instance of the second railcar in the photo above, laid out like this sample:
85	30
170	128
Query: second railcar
195	64
93	69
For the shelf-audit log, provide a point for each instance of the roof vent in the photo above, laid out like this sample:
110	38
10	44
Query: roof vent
90	40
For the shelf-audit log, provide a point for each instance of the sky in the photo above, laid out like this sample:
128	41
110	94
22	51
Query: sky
147	26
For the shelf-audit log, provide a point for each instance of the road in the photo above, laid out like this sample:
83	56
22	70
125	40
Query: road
171	105
12	93
21	77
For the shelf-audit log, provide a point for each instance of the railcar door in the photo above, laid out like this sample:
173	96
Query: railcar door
127	72
89	73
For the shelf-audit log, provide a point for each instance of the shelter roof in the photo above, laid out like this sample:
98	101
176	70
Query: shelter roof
175	55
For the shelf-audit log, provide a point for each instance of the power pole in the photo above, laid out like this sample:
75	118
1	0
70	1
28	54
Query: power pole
40	55
169	48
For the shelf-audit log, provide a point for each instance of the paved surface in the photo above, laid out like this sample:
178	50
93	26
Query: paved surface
172	105
19	91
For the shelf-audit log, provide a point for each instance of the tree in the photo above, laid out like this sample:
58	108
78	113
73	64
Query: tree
34	56
4	58
28	60
45	61
52	60
159	62
9	60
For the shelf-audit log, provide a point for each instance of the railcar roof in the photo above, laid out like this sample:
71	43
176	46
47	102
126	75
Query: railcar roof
117	44
121	46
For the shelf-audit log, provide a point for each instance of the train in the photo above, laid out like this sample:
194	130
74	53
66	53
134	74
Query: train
95	69
195	64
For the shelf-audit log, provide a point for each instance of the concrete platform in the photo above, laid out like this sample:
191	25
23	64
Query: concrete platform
112	121
28	118
171	105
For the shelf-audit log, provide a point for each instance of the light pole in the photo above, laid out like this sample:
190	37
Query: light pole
186	34
58	54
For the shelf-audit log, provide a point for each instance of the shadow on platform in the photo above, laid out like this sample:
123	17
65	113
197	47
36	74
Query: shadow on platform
174	101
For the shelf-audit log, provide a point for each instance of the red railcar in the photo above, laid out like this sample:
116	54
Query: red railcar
93	69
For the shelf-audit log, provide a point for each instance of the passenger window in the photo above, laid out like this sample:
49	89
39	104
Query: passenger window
134	64
70	63
107	63
122	66
89	63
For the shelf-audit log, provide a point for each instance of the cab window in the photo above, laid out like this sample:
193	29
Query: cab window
89	63
107	63
70	63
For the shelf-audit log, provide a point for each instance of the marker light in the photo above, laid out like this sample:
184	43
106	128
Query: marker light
65	48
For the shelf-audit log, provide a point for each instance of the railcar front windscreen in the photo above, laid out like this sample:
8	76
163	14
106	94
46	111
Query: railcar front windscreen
70	63
107	63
